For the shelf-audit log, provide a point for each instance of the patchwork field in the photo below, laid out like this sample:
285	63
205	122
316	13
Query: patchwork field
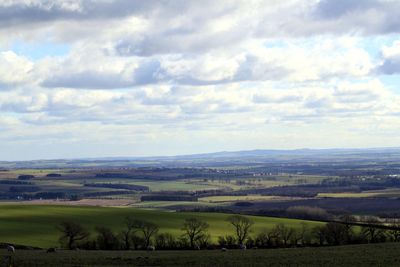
35	225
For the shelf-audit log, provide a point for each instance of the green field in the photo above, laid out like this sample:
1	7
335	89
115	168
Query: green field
35	225
368	255
172	204
223	199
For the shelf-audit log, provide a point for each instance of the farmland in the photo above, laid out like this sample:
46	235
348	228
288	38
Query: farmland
296	193
254	183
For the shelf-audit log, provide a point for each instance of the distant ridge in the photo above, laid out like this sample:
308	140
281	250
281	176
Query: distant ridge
243	157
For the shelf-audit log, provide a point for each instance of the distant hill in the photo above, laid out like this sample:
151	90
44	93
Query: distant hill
225	157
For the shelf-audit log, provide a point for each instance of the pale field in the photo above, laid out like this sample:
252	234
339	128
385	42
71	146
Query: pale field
81	202
385	193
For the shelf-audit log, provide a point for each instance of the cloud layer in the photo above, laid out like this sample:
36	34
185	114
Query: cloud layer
171	77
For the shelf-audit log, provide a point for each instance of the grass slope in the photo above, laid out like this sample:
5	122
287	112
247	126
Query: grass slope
35	225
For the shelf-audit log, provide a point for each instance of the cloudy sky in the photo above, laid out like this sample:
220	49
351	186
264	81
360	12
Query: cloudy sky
93	78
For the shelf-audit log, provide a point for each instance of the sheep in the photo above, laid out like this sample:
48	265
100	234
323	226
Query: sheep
151	248
224	249
10	249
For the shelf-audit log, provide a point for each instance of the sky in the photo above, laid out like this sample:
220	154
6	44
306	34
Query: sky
104	78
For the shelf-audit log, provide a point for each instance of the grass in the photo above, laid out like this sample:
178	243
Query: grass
35	225
367	255
155	186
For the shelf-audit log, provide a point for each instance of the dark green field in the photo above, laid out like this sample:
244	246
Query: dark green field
355	255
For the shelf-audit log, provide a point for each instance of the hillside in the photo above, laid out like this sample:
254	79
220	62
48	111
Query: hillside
35	225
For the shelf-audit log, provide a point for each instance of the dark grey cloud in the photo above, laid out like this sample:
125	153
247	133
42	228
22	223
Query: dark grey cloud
333	9
22	12
366	16
148	72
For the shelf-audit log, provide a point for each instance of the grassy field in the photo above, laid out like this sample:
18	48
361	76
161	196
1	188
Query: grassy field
222	199
35	225
354	255
385	193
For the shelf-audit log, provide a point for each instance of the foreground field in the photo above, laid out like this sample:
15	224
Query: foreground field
355	255
35	225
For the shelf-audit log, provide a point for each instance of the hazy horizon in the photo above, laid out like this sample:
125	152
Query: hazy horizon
205	153
126	78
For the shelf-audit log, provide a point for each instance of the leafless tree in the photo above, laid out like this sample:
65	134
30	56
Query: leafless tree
394	232
130	228
319	234
242	227
148	230
283	233
106	239
265	238
71	233
194	229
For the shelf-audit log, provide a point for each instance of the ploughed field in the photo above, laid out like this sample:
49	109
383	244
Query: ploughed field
353	255
36	225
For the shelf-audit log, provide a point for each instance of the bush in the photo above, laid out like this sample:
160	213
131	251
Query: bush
307	212
25	177
53	175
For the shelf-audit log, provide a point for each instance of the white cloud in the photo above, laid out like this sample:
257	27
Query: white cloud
14	69
210	73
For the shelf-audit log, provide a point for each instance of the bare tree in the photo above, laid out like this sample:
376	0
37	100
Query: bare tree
195	230
348	220
265	238
283	233
71	233
318	233
242	227
335	233
131	227
106	239
394	232
304	234
165	241
148	230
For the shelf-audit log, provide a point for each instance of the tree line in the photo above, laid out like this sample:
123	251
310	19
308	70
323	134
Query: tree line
145	235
